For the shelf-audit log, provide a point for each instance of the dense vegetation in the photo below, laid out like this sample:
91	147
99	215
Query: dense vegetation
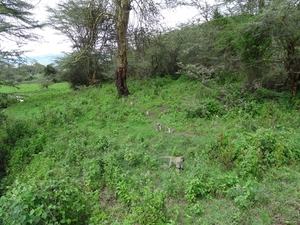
79	153
89	157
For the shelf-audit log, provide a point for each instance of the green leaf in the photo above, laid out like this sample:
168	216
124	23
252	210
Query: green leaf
16	212
31	212
44	215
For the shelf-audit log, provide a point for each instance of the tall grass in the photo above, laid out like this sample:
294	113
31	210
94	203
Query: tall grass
96	154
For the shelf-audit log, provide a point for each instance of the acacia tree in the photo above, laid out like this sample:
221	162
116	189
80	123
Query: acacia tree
16	22
122	10
145	12
16	25
89	28
282	19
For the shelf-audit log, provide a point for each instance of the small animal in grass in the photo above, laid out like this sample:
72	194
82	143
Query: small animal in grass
178	161
170	130
159	127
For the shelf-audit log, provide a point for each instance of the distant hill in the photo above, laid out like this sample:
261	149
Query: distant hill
45	59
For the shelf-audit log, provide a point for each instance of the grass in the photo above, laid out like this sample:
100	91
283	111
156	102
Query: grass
34	97
31	87
241	155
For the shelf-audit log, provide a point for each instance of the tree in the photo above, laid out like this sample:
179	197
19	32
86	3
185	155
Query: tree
281	18
92	25
246	7
89	28
122	11
204	8
16	25
146	11
49	72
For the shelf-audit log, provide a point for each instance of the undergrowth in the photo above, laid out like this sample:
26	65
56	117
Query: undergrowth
92	157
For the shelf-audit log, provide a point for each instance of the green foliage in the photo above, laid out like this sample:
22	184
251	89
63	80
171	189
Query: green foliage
208	109
247	194
20	142
148	206
240	152
50	70
202	186
17	130
253	153
26	150
254	42
223	150
43	202
4	150
45	83
244	193
76	69
17	25
162	55
4	101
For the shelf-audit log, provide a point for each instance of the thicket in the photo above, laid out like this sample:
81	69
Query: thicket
255	47
12	73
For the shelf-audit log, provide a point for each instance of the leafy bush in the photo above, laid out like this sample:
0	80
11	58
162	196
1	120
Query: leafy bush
247	194
19	142
148	206
6	100
4	157
198	72
45	83
250	153
44	202
224	151
18	129
207	110
202	186
251	108
24	153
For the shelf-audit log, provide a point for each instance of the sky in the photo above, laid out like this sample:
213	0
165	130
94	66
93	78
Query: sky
52	43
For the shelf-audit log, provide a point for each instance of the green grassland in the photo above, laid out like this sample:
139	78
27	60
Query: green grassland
91	157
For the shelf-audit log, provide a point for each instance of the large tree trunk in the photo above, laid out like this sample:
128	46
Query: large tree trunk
122	18
292	66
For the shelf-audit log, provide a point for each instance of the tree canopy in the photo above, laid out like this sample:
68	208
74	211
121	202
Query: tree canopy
16	25
256	40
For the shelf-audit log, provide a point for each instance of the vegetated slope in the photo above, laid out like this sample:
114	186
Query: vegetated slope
89	157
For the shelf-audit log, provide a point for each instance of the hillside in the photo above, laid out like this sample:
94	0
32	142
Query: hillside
90	157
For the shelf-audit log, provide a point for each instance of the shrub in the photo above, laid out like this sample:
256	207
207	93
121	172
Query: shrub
248	193
5	101
18	129
200	187
224	151
252	153
44	83
148	206
44	202
207	110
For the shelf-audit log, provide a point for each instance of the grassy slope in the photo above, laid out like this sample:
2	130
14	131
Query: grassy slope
110	148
